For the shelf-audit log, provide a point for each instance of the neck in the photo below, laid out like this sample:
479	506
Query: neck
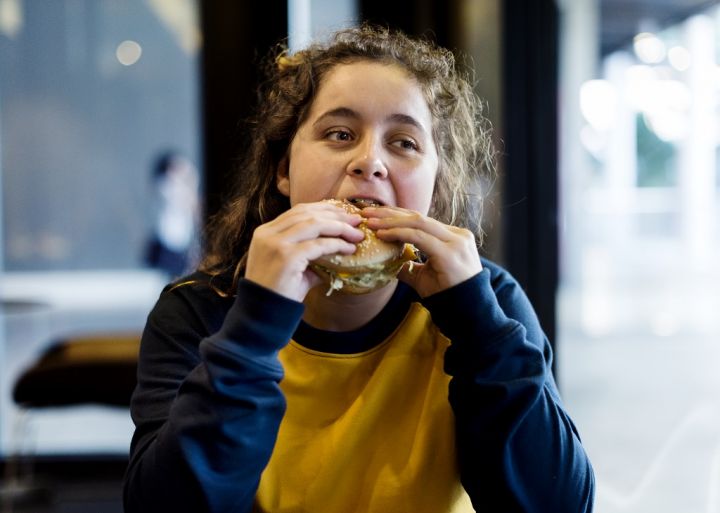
344	312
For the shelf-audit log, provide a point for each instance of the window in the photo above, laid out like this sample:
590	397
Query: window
638	324
91	93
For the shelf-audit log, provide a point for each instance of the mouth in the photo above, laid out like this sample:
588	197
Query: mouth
365	202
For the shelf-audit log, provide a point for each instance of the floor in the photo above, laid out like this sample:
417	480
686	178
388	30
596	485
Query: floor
647	403
67	485
35	310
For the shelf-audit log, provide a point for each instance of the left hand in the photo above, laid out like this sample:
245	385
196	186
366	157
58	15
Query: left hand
452	254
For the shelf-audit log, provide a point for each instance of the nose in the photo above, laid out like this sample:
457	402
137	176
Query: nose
368	162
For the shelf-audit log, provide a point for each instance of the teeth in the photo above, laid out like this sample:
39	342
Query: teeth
364	202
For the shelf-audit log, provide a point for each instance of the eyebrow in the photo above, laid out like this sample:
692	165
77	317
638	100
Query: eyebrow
345	112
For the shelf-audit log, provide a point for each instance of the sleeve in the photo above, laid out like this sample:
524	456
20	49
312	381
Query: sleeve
207	406
518	449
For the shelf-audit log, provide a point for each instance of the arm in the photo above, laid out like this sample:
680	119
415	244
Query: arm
207	417
518	449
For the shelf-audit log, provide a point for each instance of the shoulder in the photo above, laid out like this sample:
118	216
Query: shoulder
201	285
504	284
198	301
512	298
499	276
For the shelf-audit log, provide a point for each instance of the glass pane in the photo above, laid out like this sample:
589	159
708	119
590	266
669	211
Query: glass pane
91	92
638	304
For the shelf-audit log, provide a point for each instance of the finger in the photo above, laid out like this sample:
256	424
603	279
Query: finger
417	233
283	223
316	248
301	227
427	243
324	226
413	220
310	229
385	211
283	260
318	211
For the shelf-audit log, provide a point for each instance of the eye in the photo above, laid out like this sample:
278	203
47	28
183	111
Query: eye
338	135
405	144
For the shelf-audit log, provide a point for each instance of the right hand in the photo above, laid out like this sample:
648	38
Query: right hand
282	249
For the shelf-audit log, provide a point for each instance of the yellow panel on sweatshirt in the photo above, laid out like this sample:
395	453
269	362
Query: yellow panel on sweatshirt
367	432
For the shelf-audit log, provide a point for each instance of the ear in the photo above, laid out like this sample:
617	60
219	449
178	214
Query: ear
282	177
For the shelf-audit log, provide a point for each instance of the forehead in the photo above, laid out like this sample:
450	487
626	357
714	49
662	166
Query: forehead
366	85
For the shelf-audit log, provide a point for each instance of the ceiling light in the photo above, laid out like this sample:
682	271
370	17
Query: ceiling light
128	52
679	58
649	48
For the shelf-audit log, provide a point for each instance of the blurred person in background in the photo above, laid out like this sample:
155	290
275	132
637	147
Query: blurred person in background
173	244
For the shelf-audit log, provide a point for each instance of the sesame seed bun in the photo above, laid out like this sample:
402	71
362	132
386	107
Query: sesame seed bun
373	265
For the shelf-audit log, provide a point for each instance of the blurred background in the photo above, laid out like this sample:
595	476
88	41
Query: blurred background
120	123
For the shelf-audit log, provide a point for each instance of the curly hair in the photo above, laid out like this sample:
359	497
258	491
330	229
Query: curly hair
460	132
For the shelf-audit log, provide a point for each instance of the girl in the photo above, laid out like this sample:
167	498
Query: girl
259	392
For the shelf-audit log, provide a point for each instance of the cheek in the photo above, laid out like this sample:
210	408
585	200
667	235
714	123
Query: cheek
416	192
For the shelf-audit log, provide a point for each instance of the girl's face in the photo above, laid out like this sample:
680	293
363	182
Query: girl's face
368	134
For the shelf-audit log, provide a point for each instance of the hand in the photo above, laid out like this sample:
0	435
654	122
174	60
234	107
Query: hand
452	252
281	250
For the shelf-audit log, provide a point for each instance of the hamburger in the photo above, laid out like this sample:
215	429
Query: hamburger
373	265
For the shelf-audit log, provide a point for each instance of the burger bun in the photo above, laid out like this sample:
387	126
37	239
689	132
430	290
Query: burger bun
374	264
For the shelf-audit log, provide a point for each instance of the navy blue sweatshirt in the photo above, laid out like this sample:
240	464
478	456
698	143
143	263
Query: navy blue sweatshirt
208	403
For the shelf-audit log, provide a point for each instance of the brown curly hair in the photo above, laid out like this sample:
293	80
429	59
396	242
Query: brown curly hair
461	134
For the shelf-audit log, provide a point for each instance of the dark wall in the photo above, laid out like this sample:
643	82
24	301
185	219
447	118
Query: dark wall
432	18
236	35
530	235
